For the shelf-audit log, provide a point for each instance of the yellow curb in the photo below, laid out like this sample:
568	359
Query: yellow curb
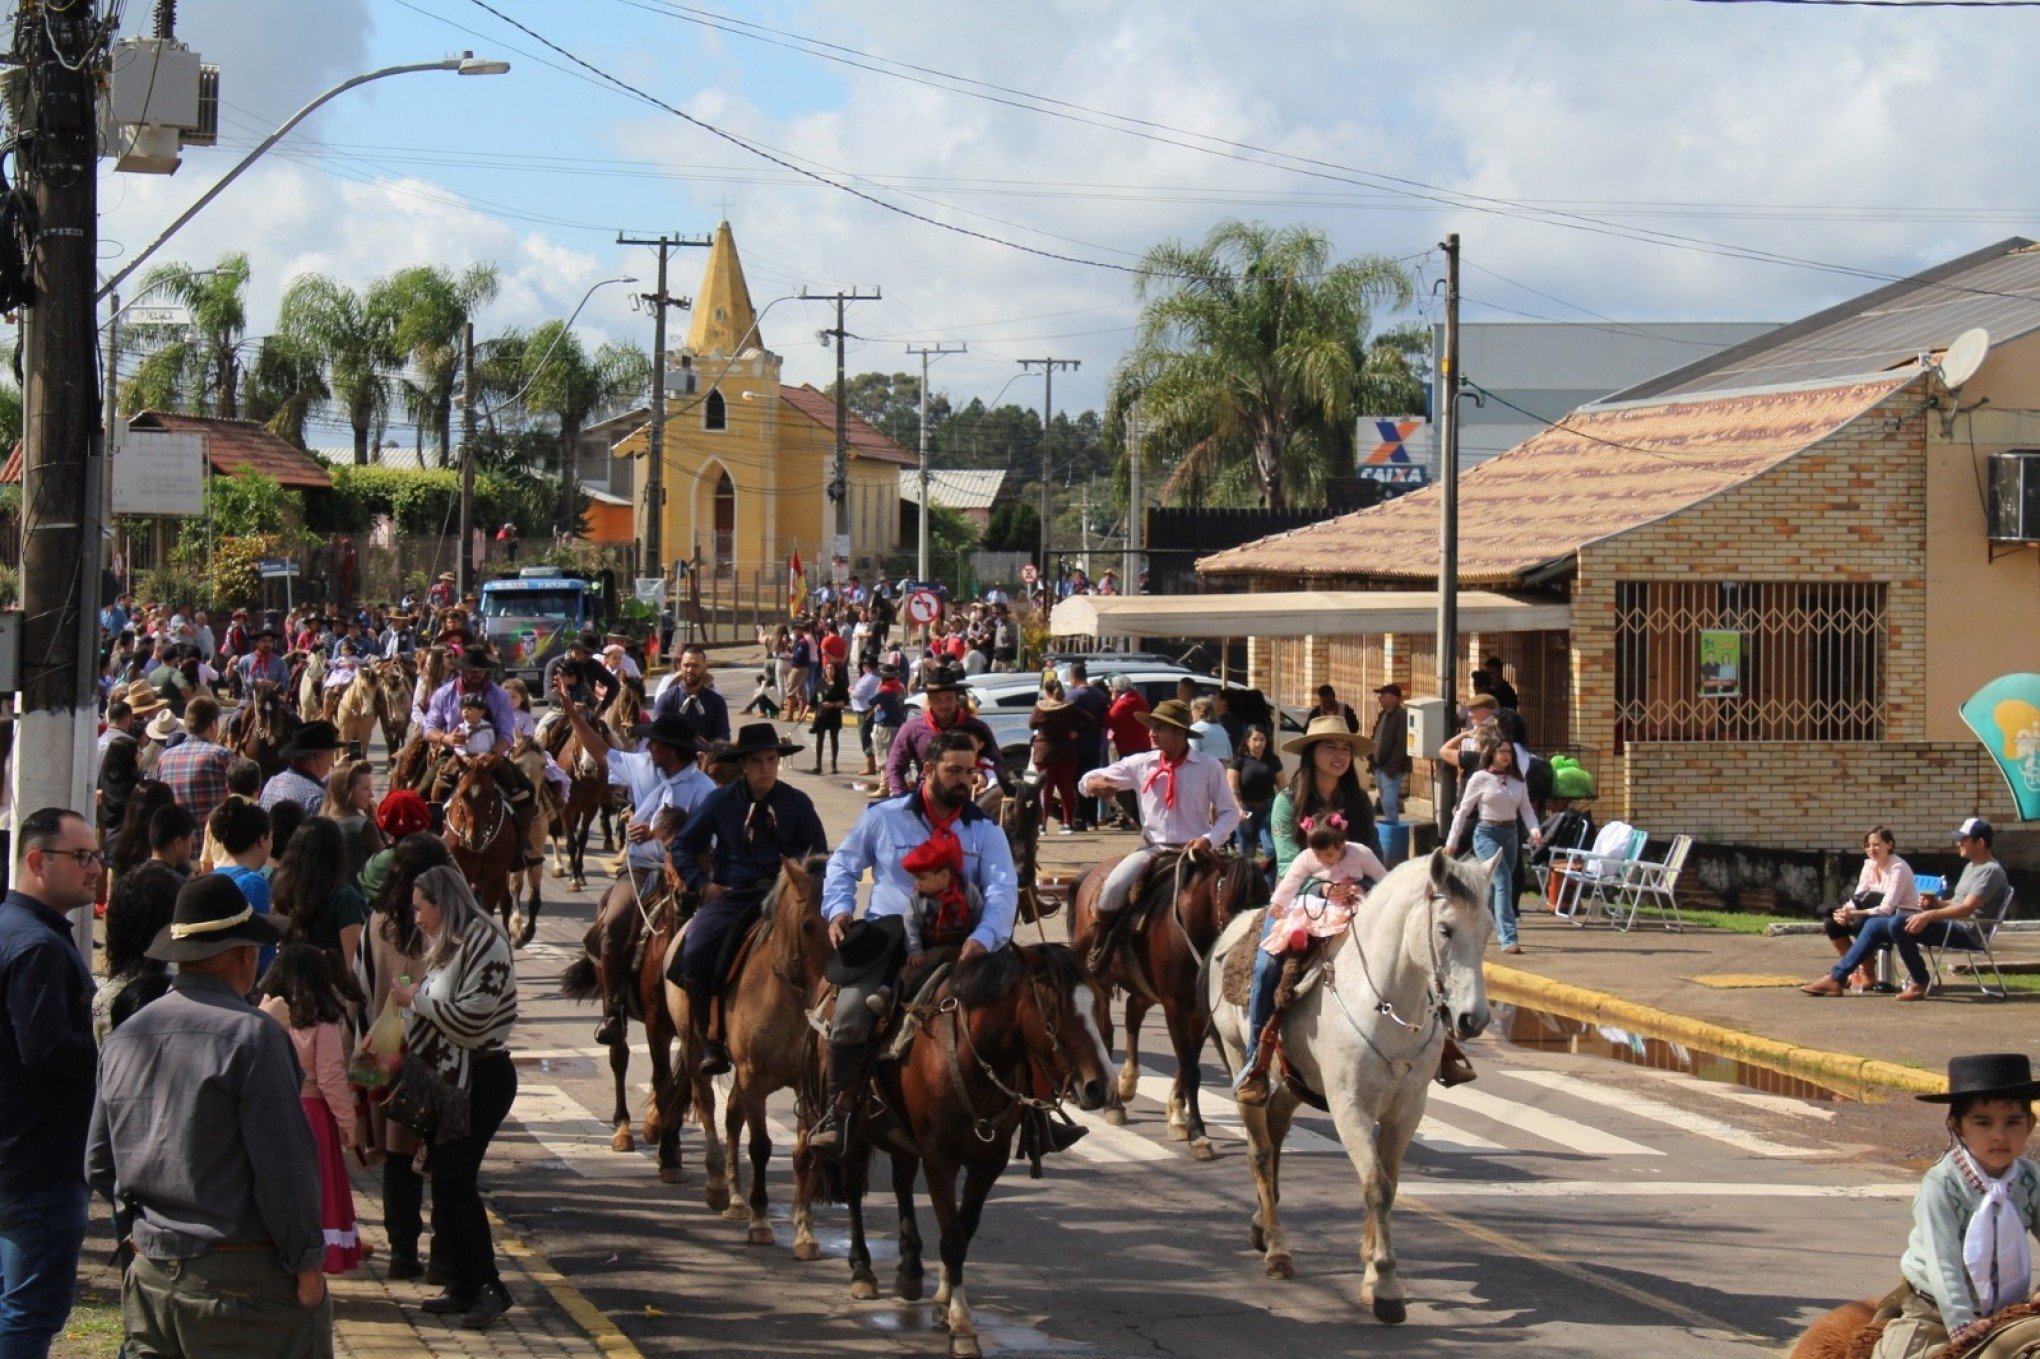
608	1339
1848	1072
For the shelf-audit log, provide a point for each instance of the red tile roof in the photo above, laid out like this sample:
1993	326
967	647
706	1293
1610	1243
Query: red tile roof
866	439
230	446
1601	471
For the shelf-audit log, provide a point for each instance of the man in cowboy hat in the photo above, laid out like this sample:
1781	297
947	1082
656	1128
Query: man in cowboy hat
310	755
907	762
199	1139
869	951
1185	804
689	692
440	596
590	681
474	677
662	779
1390	757
751	825
263	665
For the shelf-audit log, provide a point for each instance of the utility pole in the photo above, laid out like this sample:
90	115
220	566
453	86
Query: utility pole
839	479
655	436
1444	778
63	449
927	352
464	556
1136	508
1048	367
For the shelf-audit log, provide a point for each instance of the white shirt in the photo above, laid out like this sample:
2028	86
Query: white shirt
651	792
1494	798
1204	804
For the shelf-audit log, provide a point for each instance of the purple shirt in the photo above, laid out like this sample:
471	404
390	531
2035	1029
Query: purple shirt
442	712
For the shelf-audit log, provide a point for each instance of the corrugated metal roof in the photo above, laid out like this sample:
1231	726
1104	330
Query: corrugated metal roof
954	488
1600	472
1997	288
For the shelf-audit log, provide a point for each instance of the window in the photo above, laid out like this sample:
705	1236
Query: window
1811	661
715	412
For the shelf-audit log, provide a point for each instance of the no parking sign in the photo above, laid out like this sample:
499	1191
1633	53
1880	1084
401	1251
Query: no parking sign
923	608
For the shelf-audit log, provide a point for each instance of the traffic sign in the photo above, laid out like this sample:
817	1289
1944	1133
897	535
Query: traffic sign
276	568
923	608
1029	574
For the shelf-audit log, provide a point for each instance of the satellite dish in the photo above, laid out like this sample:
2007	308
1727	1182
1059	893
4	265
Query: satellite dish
1964	357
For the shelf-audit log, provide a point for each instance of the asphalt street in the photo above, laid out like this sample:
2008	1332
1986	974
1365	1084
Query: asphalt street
1562	1205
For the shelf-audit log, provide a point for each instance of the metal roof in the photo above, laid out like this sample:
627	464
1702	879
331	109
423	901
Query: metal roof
1997	288
954	488
1296	613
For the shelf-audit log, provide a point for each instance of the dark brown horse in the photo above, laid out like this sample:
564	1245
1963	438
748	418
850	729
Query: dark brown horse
395	681
1159	967
588	792
481	830
1012	1030
262	728
1020	818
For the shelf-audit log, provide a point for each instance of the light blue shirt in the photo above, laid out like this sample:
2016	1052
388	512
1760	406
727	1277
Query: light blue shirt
883	837
651	792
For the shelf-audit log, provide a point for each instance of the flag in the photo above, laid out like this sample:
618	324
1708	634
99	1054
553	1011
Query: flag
796	584
2005	715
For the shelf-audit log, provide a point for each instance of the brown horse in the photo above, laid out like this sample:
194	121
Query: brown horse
263	727
481	830
588	793
1159	967
394	682
353	710
1852	1330
779	978
1014	1030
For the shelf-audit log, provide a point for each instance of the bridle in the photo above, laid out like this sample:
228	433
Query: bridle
467	840
958	1034
1435	1009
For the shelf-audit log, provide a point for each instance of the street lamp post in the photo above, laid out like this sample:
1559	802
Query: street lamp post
467	63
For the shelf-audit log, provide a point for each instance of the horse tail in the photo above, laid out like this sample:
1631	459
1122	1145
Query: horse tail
825	1180
579	981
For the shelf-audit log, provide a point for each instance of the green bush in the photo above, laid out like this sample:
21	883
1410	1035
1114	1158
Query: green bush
428	501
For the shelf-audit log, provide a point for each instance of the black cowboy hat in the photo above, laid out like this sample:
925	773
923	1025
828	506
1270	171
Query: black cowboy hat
669	729
475	656
1988	1075
946	680
586	640
755	738
211	917
313	738
871	949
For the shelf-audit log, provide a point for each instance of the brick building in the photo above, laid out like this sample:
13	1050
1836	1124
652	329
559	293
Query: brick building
1813	499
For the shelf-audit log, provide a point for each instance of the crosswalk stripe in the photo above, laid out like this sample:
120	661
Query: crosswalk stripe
552	1117
1566	1132
1657	1111
1219	1112
1412	1188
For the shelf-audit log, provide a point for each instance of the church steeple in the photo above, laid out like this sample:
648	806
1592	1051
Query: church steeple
723	321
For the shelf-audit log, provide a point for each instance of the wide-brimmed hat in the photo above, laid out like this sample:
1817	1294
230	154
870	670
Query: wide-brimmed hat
264	631
870	950
1328	727
944	680
211	917
146	703
475	656
669	729
447	577
313	738
1483	701
163	726
755	738
1170	712
585	639
1988	1075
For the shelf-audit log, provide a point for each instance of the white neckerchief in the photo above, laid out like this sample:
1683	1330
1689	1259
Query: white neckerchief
1994	1249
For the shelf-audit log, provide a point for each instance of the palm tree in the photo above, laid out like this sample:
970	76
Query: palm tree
434	307
194	365
1253	359
283	386
572	386
354	336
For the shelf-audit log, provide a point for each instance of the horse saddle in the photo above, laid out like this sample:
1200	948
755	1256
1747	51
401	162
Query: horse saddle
1238	977
2015	1333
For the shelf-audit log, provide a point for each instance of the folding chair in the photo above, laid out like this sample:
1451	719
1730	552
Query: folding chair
1656	881
1592	878
1973	936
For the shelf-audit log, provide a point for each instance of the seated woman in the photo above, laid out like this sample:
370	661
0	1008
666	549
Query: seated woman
1884	887
1983	887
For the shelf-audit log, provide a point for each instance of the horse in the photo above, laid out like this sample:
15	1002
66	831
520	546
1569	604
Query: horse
1160	968
1020	818
1019	1020
311	680
354	711
1367	1038
1852	1331
765	1007
482	832
263	727
394	682
588	796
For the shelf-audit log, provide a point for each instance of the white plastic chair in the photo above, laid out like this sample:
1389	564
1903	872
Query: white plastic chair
1655	883
1593	880
1973	936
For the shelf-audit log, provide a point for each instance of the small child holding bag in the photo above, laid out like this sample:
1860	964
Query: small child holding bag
302	992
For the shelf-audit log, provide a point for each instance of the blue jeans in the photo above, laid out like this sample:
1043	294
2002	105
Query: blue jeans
1888	931
1261	1000
41	1234
1488	841
1256	836
1390	788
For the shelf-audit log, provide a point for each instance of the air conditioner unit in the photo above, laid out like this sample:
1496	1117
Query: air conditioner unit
2014	510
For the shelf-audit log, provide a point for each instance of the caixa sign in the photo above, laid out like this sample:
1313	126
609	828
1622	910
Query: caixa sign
1406	474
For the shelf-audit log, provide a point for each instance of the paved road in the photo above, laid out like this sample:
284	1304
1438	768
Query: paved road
1562	1205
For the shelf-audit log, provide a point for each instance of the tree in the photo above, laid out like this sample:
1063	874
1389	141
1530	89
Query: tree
892	402
354	336
1253	359
434	308
573	386
282	387
195	365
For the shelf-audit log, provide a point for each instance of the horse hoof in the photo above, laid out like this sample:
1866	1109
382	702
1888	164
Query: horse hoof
964	1347
760	1236
806	1250
525	935
623	1141
1178	1133
1256	1238
718	1197
907	1287
1200	1150
1115	1116
672	1175
863	1288
1281	1267
736	1212
1391	1311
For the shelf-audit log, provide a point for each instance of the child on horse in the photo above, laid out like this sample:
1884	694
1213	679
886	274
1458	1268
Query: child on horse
1314	900
945	908
1968	1255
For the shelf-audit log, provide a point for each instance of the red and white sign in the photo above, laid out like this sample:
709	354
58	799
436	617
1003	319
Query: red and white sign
1029	574
923	608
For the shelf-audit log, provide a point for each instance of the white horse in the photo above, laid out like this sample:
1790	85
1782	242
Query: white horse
1367	1037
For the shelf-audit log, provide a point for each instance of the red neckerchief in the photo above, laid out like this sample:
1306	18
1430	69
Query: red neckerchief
952	908
1165	772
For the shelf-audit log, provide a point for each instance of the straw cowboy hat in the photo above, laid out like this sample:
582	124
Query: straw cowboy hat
1328	727
1170	712
211	916
163	726
146	702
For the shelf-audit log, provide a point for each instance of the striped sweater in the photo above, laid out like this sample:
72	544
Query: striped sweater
465	1006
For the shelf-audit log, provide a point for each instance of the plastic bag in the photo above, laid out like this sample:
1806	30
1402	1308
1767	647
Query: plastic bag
380	1051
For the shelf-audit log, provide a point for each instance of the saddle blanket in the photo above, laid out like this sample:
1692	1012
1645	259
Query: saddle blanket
1237	981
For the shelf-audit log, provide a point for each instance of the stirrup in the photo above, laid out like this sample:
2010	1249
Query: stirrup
1252	1089
715	1059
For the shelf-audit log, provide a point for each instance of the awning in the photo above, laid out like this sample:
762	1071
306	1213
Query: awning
1298	613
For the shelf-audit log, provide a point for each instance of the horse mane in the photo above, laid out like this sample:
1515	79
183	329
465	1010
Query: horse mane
986	978
1060	963
811	868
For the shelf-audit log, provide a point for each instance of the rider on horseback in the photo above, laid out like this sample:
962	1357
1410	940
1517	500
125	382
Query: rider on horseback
751	825
1184	805
945	713
445	729
660	777
263	665
589	682
869	952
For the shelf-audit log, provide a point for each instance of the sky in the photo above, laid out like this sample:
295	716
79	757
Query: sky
1641	160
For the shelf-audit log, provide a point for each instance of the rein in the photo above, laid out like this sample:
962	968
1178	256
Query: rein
477	846
1434	992
958	1033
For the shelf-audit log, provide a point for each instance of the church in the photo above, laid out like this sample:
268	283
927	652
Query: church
747	460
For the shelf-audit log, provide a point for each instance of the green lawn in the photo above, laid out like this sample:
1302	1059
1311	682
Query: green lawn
94	1330
1651	917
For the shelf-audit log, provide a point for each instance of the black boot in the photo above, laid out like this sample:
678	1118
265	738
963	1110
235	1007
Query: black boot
612	1028
1102	944
845	1073
715	1058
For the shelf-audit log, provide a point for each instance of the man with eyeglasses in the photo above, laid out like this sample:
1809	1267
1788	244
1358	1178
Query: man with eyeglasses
47	1065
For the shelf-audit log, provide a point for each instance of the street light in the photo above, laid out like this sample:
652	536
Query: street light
467	63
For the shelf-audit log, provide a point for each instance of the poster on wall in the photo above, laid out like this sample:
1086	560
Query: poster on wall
2005	715
1720	663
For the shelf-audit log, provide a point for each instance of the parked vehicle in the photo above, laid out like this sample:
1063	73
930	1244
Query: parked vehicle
528	617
